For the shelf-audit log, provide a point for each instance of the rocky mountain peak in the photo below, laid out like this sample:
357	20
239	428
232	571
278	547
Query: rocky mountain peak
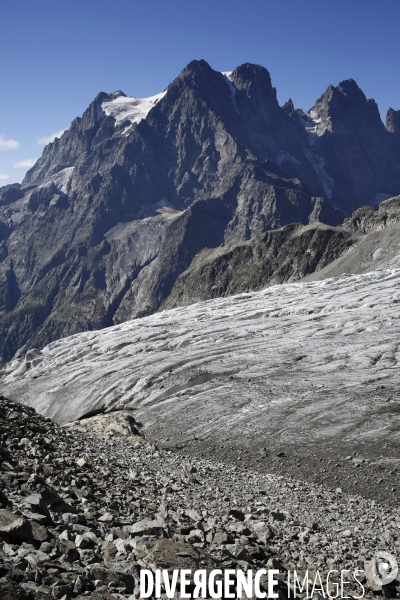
289	108
393	121
101	97
346	107
254	80
196	76
117	94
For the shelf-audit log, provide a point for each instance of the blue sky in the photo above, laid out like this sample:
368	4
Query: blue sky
56	56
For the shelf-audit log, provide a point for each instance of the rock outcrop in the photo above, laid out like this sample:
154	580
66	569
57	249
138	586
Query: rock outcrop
393	121
283	255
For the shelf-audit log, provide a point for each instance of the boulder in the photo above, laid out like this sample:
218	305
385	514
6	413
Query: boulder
14	528
118	574
146	528
35	505
237	551
168	554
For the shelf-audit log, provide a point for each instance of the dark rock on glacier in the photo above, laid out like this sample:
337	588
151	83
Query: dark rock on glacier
118	206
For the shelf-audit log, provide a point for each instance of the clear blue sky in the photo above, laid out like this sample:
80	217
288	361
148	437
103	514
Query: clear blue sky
55	56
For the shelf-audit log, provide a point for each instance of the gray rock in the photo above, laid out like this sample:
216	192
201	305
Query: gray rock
260	528
35	503
220	537
237	551
68	549
193	514
145	528
114	574
54	501
14	528
62	589
40	532
393	121
373	579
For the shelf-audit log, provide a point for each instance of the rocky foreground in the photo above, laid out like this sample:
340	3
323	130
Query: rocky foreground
87	505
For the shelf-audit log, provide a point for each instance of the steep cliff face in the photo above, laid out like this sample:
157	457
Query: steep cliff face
118	207
393	121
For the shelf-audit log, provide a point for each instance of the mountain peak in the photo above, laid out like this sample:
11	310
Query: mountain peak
350	86
253	79
289	108
195	69
117	94
197	75
101	97
346	107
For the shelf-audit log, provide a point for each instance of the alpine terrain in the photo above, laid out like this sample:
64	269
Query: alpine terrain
199	336
118	207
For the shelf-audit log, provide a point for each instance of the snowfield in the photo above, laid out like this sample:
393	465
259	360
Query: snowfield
130	109
295	363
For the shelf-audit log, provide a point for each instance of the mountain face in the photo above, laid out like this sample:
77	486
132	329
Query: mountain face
117	208
356	157
366	241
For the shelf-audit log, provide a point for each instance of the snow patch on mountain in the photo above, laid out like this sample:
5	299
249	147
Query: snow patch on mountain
124	108
62	180
315	128
227	75
284	156
316	125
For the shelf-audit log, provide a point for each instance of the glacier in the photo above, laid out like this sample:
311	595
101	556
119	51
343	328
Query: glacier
294	363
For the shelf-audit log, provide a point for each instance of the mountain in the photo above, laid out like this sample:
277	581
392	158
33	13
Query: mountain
356	156
118	207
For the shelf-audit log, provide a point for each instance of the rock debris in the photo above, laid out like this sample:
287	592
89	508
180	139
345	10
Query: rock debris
85	507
